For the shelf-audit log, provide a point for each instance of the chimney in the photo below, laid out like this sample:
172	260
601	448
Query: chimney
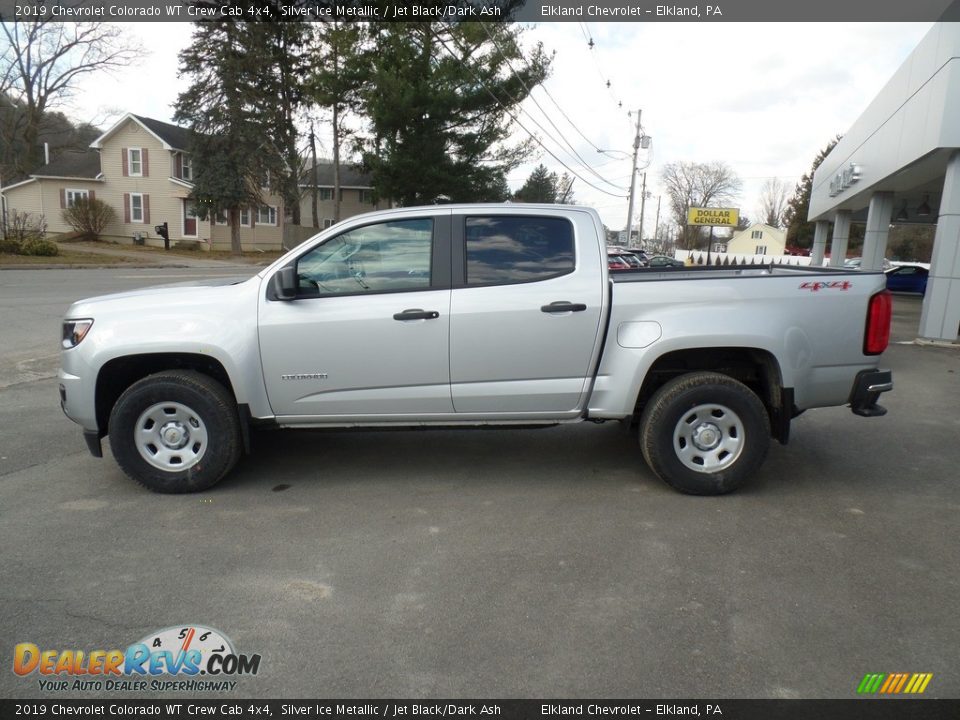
46	153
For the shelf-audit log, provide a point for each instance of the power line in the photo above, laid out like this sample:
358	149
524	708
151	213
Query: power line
522	126
606	81
534	99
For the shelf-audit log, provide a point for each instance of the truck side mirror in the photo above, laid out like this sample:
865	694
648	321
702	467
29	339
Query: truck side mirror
285	283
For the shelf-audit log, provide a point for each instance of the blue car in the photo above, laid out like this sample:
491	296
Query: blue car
908	279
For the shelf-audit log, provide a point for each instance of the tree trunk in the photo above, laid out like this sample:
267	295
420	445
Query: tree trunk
336	162
235	248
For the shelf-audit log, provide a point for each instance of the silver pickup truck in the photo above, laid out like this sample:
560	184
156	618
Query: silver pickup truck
473	315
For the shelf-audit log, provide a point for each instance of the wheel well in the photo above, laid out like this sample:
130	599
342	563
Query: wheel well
120	373
757	369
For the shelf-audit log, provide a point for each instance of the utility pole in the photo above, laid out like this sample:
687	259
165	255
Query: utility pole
313	177
656	226
643	205
633	178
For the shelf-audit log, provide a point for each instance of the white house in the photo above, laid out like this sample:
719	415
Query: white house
758	239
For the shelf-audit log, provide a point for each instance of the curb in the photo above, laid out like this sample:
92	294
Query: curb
91	266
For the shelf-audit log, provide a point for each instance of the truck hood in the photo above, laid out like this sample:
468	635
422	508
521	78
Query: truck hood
190	292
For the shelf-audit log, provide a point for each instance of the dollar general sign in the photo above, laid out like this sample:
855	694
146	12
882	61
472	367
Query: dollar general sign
727	217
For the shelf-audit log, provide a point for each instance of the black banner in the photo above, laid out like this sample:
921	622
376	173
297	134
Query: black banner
873	709
715	11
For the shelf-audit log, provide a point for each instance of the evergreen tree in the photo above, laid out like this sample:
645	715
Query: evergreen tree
341	69
276	65
799	231
540	187
544	186
439	105
231	157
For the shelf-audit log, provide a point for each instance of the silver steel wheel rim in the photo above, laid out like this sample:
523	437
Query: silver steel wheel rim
170	436
708	438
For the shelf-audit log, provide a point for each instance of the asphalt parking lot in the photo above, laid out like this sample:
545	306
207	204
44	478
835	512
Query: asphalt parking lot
546	563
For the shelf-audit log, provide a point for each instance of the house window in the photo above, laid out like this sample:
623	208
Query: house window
326	193
366	196
761	250
136	207
327	222
756	235
135	161
73	195
266	215
223	218
186	169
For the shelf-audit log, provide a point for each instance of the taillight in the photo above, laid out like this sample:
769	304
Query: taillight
877	336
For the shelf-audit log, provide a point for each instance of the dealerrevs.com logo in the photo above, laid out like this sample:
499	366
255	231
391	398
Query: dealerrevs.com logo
187	658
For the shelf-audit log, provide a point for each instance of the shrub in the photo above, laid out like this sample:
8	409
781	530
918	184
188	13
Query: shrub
39	246
10	246
89	217
22	226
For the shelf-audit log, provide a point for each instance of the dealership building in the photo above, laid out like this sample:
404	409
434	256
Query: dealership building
900	162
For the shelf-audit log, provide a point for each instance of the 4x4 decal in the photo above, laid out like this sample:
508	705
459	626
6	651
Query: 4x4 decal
822	285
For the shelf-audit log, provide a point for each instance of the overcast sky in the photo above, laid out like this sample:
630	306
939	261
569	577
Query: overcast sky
764	98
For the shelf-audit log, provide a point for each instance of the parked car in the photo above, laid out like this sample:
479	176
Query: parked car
369	324
855	264
636	252
633	260
908	278
615	261
662	261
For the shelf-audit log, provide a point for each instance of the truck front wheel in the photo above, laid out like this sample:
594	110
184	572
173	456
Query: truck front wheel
704	433
175	432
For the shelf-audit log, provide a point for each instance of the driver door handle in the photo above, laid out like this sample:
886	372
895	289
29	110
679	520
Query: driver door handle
416	314
563	306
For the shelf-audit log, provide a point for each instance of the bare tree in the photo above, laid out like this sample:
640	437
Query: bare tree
690	184
40	64
773	202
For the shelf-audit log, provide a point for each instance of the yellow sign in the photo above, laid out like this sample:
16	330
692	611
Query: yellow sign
726	217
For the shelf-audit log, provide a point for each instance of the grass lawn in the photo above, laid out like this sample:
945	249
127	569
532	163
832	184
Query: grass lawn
64	258
248	256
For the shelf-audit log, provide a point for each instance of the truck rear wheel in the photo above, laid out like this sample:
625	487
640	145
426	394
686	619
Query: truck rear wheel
175	432
704	433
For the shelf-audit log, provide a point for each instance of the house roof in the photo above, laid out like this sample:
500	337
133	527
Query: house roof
175	136
172	136
71	164
350	176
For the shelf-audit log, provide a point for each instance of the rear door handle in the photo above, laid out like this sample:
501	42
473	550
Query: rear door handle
561	306
416	314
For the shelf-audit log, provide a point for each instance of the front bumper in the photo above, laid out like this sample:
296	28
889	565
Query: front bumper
867	387
76	403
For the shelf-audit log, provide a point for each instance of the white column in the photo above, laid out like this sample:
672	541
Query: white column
940	318
820	234
841	236
878	227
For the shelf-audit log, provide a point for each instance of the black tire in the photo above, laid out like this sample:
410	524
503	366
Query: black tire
205	456
709	407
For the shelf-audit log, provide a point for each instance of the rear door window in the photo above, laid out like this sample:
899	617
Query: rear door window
504	250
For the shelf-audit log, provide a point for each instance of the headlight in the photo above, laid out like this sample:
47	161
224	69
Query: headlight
74	331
